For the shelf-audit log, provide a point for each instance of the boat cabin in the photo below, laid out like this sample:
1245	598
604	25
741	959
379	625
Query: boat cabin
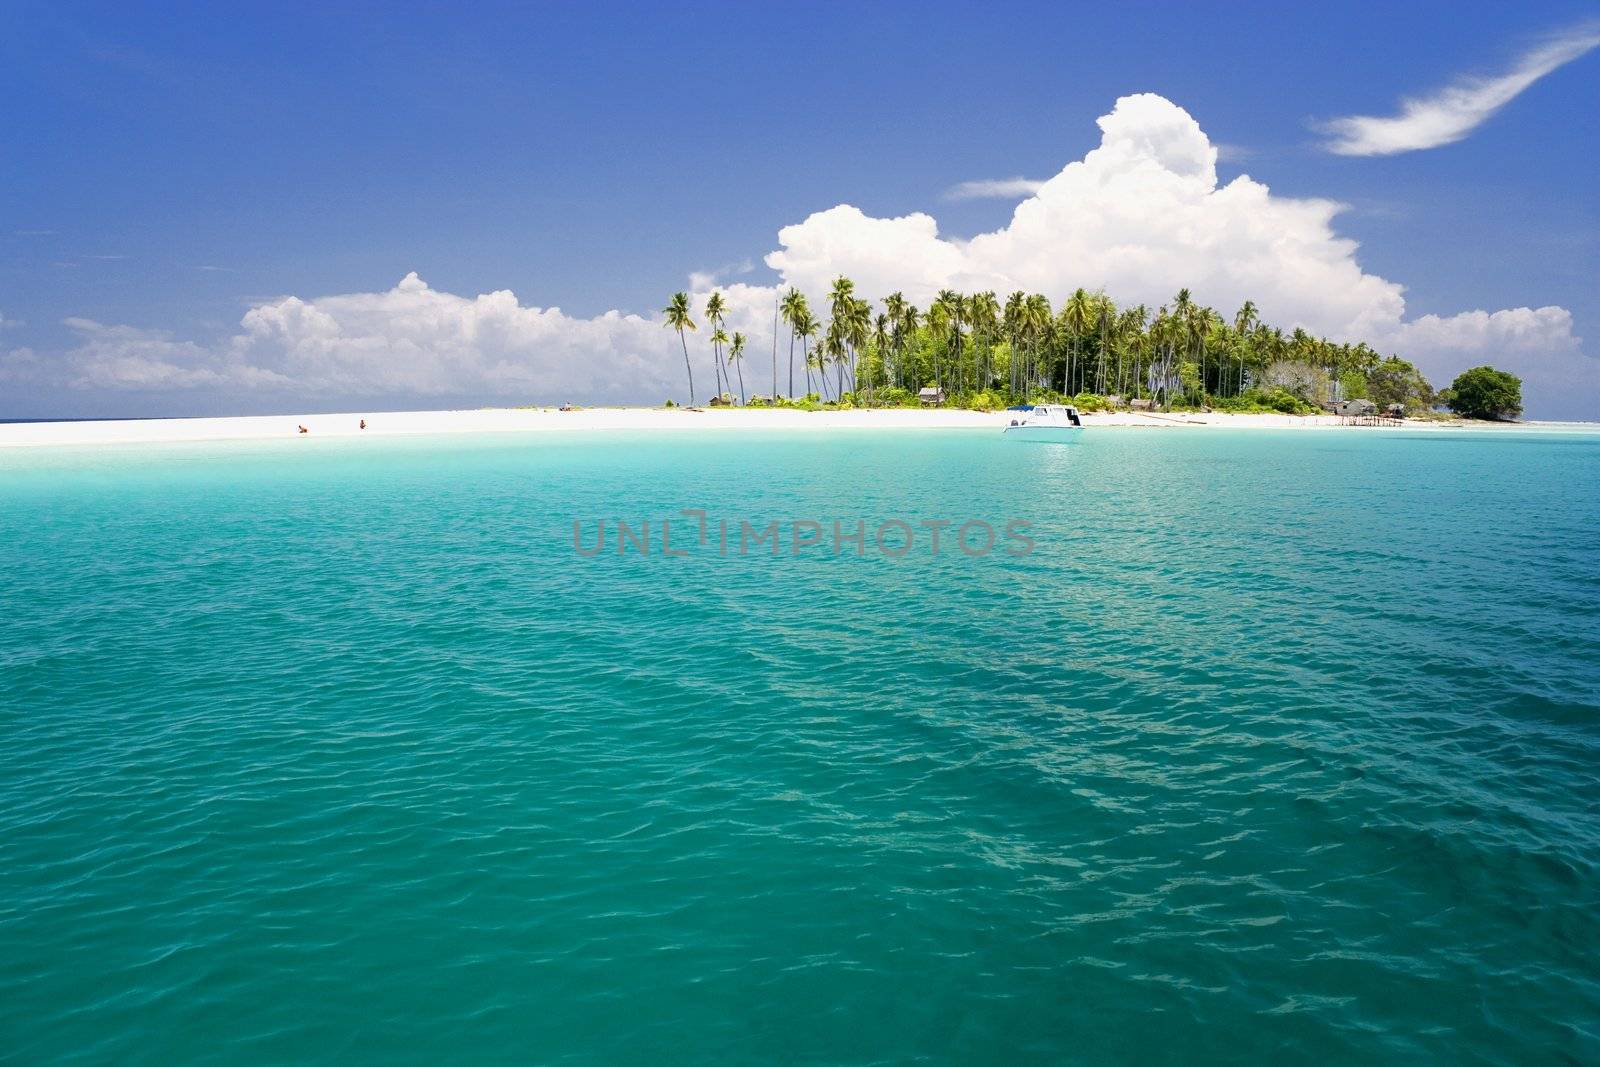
1050	415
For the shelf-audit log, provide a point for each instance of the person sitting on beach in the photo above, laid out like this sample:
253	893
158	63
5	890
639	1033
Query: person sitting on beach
304	430
363	424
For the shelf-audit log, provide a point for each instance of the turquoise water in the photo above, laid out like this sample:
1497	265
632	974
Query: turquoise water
1276	745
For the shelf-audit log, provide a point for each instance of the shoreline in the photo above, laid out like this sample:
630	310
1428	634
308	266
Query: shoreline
535	420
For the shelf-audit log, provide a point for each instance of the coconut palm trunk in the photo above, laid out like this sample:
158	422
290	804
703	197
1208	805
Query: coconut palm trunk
677	316
736	357
687	365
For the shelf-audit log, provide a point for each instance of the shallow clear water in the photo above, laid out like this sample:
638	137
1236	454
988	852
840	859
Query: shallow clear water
1276	744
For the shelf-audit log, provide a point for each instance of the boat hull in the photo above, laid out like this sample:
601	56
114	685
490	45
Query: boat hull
1044	433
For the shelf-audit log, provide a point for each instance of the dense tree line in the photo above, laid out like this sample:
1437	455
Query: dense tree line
982	350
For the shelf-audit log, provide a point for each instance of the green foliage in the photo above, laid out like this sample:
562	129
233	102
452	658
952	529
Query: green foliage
809	402
1090	402
988	350
1189	375
670	404
1304	380
1428	415
1275	400
1397	381
1486	393
984	400
893	396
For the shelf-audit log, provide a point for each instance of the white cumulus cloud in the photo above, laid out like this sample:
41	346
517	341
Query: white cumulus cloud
702	280
417	340
1140	215
126	357
993	188
1453	112
1143	215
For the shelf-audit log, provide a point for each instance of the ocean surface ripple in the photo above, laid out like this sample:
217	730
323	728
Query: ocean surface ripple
1275	744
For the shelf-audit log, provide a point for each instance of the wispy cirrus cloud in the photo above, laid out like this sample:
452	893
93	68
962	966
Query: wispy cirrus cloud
1451	113
994	189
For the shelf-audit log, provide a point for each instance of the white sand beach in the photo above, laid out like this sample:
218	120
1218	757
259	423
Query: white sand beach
523	420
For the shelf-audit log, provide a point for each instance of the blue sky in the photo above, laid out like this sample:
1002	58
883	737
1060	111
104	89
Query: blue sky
169	167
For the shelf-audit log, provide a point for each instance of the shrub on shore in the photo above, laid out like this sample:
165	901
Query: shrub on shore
1486	393
1273	401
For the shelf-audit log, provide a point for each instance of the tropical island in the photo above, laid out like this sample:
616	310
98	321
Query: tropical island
974	351
957	365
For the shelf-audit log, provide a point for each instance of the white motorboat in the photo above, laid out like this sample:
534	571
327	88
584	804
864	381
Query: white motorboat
1047	422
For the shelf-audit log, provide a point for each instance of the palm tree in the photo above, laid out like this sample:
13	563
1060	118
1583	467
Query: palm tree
841	306
1180	333
1036	323
1077	316
716	310
894	306
1200	323
805	328
939	315
906	330
1305	348
792	308
831	350
1105	315
1131	327
1271	345
1011	319
984	309
719	338
880	341
857	331
840	295
1182	304
736	357
1165	335
677	313
946	316
955	346
1219	336
1246	318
